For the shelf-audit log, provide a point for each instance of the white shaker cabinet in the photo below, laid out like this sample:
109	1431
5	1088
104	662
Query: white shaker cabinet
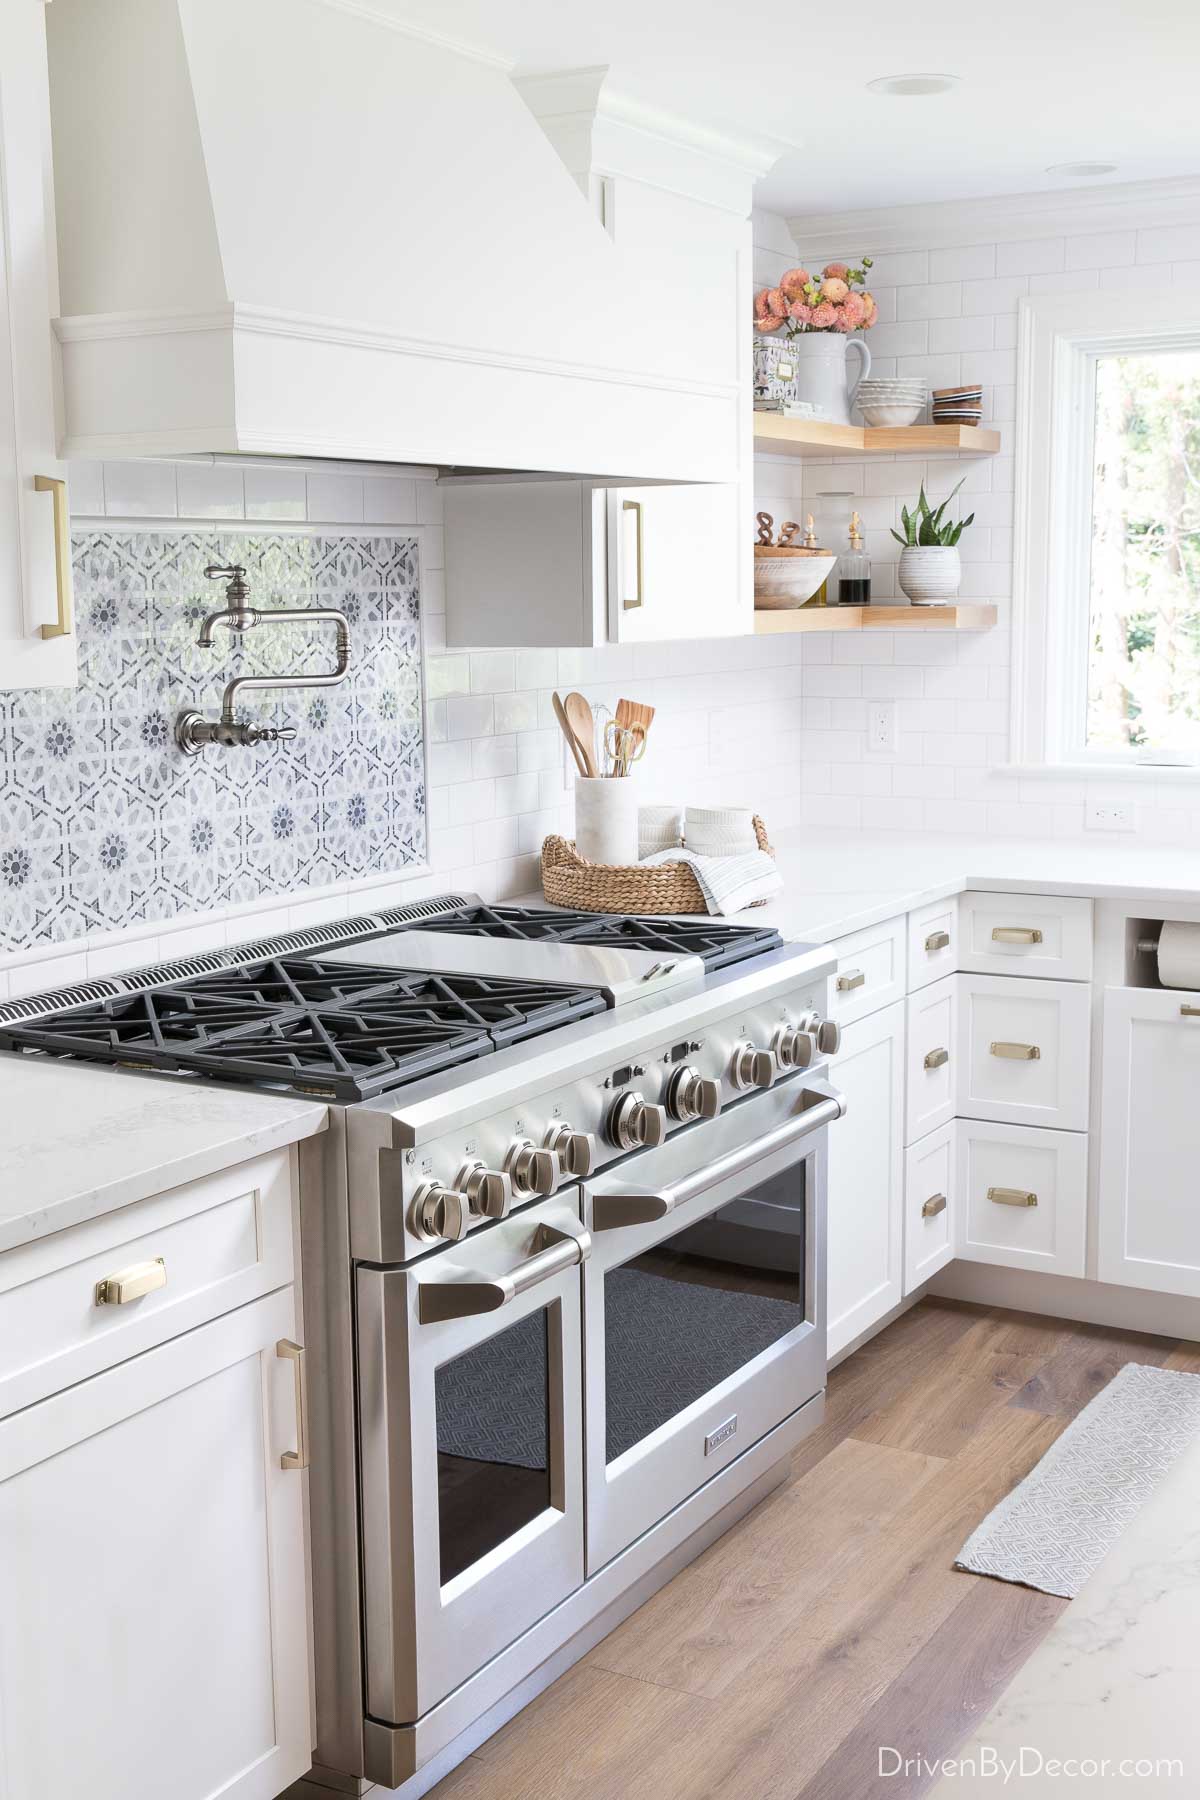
1150	1140
866	1177
153	1637
37	645
565	563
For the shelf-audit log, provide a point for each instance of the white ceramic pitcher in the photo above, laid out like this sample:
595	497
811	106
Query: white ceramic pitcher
821	372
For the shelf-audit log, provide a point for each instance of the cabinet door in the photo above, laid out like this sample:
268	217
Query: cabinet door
678	563
1150	1140
153	1637
866	1177
34	559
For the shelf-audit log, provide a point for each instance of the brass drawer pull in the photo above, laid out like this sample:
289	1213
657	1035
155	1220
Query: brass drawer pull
635	507
1012	1197
935	1204
53	484
1016	934
1017	1052
1189	1012
935	1059
937	940
853	978
297	1458
132	1283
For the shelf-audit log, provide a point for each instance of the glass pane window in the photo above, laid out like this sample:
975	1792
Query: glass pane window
1143	675
694	1310
493	1442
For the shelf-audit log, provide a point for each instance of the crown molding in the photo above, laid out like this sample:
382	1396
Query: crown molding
1003	218
381	15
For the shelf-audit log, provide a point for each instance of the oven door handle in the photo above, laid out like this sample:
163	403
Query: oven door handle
463	1293
820	1104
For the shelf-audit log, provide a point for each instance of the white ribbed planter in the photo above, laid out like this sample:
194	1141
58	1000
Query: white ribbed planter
930	574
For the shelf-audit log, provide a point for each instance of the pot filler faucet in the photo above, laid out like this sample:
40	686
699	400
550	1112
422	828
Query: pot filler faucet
192	729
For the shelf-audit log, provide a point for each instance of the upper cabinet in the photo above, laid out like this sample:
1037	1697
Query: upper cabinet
574	563
37	645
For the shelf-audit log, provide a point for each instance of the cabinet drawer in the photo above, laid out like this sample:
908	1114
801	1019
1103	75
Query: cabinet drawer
197	1251
1025	934
1025	1051
930	1182
932	943
870	971
1022	1197
932	1058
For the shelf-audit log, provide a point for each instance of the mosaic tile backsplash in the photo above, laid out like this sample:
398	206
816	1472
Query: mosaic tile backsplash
104	823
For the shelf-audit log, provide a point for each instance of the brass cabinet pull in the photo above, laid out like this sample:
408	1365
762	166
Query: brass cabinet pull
1017	1052
1016	934
937	940
936	1059
53	484
1012	1196
1189	1012
935	1204
132	1283
297	1458
635	507
853	978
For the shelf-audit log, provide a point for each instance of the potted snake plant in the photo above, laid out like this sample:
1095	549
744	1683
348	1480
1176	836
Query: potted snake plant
930	566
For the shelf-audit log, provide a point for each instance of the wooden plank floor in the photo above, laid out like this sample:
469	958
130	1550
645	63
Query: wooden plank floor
830	1621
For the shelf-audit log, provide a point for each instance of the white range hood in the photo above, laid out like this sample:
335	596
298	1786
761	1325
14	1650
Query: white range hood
303	227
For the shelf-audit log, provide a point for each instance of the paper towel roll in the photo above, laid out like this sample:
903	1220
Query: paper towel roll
1179	955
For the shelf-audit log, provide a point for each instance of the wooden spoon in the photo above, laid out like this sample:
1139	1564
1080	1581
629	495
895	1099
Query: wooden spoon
560	713
583	727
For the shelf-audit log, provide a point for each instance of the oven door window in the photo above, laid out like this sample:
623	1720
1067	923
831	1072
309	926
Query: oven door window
697	1307
493	1442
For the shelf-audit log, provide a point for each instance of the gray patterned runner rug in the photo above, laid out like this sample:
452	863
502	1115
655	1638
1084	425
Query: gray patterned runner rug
1056	1526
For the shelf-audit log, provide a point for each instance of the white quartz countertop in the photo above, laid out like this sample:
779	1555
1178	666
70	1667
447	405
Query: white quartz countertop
76	1142
1117	1675
841	881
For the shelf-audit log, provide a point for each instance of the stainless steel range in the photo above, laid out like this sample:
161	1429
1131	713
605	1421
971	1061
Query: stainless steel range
563	1263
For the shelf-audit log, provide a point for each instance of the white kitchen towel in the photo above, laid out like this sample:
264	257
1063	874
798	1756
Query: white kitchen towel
728	883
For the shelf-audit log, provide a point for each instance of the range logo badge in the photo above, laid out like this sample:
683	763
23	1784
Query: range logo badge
721	1435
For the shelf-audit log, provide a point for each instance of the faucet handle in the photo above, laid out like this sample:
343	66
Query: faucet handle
270	734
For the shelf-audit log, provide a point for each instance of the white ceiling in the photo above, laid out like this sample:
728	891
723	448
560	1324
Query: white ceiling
1042	83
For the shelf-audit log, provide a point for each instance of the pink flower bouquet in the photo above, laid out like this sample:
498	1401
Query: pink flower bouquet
836	300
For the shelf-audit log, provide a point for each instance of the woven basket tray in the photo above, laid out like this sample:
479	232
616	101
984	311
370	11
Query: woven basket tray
568	879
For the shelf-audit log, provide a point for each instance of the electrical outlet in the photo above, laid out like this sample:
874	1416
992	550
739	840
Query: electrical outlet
881	725
1102	817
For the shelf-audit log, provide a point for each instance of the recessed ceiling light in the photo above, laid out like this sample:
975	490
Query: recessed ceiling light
913	84
1081	168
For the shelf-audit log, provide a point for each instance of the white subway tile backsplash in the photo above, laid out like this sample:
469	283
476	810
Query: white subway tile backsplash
492	671
140	490
210	491
335	498
275	493
936	300
389	500
1033	256
469	715
85	489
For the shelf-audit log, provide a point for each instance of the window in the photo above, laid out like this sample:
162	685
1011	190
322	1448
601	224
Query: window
1107	604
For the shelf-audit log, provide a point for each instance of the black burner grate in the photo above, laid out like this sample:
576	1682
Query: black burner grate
717	943
341	1032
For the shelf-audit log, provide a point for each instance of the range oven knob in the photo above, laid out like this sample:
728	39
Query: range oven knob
439	1212
829	1037
531	1171
690	1096
488	1191
751	1067
794	1047
575	1150
634	1124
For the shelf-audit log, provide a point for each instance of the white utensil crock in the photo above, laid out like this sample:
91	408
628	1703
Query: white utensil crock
930	574
821	372
606	819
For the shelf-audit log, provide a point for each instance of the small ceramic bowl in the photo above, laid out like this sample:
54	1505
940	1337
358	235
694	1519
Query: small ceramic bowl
886	413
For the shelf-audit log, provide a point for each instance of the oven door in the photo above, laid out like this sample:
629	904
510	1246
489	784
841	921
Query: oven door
471	1435
704	1304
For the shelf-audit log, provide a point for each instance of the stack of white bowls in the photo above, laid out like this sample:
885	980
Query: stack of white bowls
896	402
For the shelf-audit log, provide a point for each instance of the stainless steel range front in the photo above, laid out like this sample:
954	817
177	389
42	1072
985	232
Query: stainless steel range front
563	1256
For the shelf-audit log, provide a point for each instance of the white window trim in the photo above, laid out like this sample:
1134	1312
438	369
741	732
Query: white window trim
1059	338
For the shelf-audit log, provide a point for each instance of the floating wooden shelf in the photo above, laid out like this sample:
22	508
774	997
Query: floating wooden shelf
877	618
810	437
